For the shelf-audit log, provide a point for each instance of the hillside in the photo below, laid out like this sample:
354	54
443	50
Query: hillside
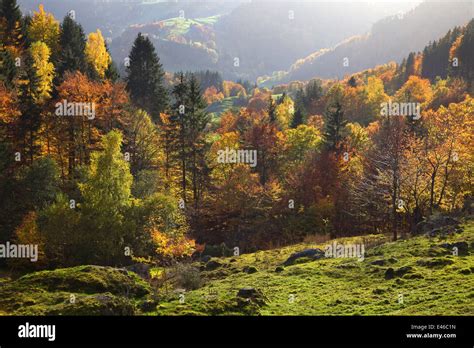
113	17
265	36
181	42
416	276
390	39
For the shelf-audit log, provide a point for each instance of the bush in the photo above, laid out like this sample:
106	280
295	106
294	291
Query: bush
217	250
188	277
28	233
166	224
58	225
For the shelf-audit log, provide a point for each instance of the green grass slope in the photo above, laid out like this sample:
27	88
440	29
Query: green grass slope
416	276
428	280
181	26
216	109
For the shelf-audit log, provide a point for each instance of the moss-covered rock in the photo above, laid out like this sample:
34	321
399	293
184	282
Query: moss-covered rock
435	262
82	290
87	279
250	269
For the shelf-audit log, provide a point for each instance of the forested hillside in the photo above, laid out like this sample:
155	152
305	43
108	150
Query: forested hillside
390	39
191	35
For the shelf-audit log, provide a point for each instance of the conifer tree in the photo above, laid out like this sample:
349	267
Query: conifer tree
10	23
30	109
73	44
352	82
298	118
410	66
180	95
112	72
8	69
145	78
334	121
197	122
271	110
465	55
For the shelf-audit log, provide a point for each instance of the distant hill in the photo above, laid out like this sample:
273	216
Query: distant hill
270	35
113	17
390	39
196	35
181	43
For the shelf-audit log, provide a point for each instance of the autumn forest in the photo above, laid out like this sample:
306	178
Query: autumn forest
199	184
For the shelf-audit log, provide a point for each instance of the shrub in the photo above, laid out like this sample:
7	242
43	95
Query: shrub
188	276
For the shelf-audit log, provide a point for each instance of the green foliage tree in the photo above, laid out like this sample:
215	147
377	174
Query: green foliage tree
63	241
352	82
39	183
10	24
106	195
464	53
299	142
410	66
142	142
8	69
112	72
156	223
30	108
73	43
197	120
179	138
145	78
31	188
436	60
298	118
186	136
334	121
271	110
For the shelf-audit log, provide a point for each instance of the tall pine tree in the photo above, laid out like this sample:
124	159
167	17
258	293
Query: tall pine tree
145	78
410	66
30	108
334	121
197	122
73	44
10	24
465	55
271	110
8	69
178	118
112	72
298	118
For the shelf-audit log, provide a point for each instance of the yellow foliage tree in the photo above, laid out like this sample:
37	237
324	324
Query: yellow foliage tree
40	55
27	233
96	53
284	112
222	171
448	152
375	94
211	95
232	89
45	28
415	90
